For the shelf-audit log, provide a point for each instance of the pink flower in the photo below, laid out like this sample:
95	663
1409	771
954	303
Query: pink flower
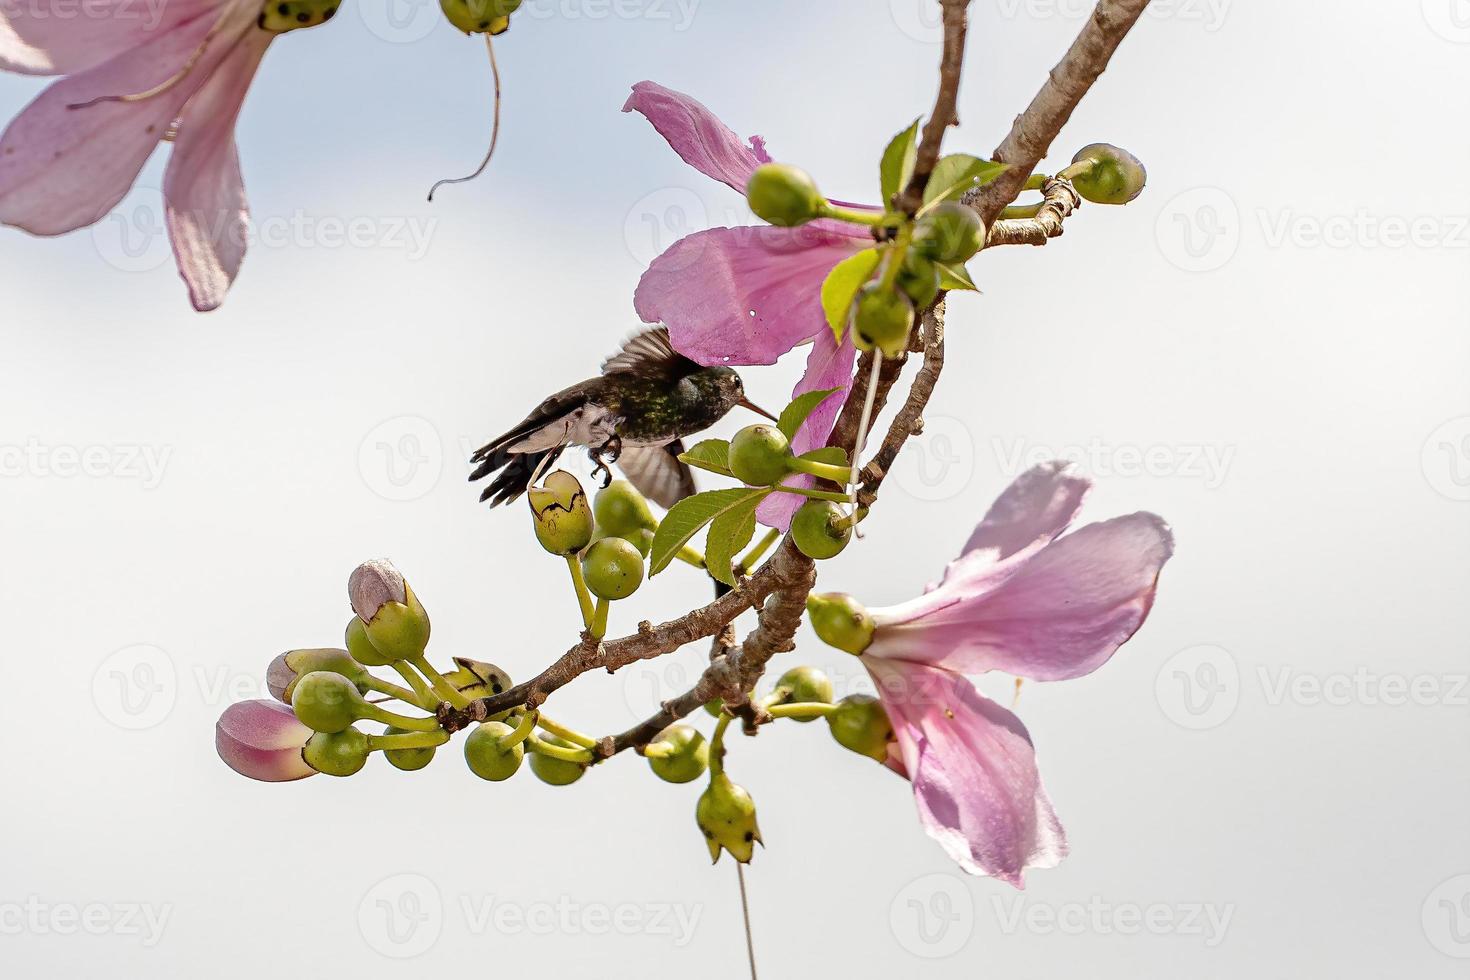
1028	601
262	740
747	295
135	78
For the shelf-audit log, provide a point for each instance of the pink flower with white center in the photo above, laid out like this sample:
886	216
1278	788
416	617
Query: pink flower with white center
747	295
262	740
137	76
1024	599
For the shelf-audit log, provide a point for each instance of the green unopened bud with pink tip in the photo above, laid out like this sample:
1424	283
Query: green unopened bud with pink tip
726	816
561	514
284	671
840	621
394	621
1106	174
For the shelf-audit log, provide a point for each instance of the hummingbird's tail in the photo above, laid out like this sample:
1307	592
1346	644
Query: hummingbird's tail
516	471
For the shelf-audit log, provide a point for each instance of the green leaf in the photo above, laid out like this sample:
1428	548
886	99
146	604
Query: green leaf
833	455
841	286
898	162
690	515
956	278
728	535
957	173
711	454
797	412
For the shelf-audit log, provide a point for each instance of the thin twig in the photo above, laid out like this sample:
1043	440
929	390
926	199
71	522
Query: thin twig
745	909
951	66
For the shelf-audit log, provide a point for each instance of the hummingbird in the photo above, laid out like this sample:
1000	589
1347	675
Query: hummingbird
635	414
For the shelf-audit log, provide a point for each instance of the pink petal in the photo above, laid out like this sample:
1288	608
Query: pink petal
1038	506
829	365
973	770
62	169
58	37
208	217
742	295
697	134
1061	612
262	740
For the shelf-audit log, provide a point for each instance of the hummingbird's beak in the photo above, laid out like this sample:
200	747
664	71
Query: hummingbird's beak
747	403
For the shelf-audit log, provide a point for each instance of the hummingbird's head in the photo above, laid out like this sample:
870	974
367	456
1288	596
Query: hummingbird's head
732	390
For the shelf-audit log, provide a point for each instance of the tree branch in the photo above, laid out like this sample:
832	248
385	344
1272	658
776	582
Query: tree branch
910	418
951	66
1059	201
1031	136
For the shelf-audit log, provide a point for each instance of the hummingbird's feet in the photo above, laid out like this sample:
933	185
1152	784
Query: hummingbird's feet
604	454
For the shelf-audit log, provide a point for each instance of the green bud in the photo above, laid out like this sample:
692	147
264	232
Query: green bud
952	232
622	511
281	16
760	455
882	318
485	756
804	685
820	529
477	679
840	621
360	648
613	568
859	723
479	16
284	671
396	624
326	702
681	754
726	815
556	772
341	753
1114	177
560	514
919	279
409	760
784	195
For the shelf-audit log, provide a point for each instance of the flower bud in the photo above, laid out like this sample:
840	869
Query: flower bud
622	511
283	673
360	648
553	771
726	815
679	754
784	195
613	568
560	513
341	753
859	723
882	318
1114	177
919	279
477	679
409	760
280	16
820	529
803	685
952	232
262	740
479	16
485	755
396	624
760	455
840	621
326	702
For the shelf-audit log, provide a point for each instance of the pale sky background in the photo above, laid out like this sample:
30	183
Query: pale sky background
1269	781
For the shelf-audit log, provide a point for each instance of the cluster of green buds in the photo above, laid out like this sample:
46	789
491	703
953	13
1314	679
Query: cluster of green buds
480	16
605	543
761	456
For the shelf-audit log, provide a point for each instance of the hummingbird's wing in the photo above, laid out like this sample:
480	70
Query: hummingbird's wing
657	472
650	354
